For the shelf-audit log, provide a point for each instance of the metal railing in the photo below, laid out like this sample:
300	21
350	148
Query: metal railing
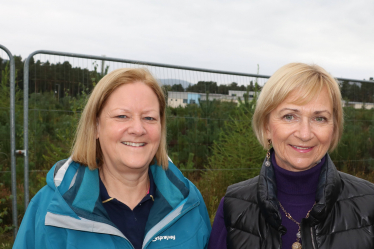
12	139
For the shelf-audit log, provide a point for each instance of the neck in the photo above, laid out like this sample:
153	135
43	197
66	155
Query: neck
301	183
128	187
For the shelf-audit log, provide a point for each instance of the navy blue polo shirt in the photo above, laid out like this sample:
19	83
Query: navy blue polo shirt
130	222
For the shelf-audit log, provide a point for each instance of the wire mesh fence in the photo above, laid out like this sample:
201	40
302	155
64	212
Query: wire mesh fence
200	103
355	153
5	110
208	118
8	201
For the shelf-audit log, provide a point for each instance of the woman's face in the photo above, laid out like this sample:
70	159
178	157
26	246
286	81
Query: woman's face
301	134
129	127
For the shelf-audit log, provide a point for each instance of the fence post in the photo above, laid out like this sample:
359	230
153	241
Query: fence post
26	127
102	66
12	140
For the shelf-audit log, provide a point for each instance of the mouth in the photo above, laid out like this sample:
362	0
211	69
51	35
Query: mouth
133	144
302	149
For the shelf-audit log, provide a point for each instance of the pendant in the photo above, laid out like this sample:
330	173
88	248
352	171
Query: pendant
296	245
298	235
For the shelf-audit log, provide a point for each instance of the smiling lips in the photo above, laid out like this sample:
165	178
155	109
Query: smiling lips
302	149
133	144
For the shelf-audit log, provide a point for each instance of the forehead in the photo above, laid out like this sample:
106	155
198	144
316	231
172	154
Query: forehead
313	99
300	96
133	96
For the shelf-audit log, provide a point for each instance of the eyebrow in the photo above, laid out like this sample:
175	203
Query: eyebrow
297	110
289	109
319	112
126	110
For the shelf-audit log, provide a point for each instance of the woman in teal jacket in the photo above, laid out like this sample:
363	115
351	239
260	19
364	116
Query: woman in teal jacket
118	189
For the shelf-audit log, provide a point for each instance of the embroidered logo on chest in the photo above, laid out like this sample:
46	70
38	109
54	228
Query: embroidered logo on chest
159	238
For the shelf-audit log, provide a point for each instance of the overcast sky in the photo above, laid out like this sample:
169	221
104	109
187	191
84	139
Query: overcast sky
216	34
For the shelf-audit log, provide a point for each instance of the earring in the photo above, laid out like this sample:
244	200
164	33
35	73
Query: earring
267	163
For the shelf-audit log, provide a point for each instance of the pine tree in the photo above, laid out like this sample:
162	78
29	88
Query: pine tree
236	156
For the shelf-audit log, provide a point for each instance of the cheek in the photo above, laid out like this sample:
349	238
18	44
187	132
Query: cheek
276	134
272	129
327	136
111	130
155	134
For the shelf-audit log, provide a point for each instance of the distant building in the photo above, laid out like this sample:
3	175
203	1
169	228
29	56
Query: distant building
176	99
182	99
240	94
358	105
216	96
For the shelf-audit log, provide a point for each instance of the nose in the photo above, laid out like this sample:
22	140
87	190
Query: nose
304	131
136	127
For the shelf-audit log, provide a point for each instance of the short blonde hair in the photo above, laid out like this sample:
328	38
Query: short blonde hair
86	148
309	80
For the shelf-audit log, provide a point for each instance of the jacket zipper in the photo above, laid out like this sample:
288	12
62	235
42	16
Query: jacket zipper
171	223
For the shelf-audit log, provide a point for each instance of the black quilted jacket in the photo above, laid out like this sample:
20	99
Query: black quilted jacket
342	218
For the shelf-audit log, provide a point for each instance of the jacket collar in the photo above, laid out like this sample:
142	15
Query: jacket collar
75	207
267	197
328	190
79	188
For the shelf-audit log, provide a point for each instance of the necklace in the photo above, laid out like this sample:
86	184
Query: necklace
297	244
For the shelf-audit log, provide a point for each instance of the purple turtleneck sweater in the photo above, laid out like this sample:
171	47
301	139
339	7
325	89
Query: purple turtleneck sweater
296	193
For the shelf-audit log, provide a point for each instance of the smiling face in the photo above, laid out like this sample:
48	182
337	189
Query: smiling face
129	127
301	134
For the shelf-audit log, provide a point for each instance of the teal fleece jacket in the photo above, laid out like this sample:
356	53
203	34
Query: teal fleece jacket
68	213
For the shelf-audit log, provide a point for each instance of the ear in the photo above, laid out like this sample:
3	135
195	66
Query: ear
268	132
267	127
97	128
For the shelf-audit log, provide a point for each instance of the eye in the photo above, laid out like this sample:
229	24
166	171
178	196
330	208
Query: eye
288	117
320	119
149	118
121	116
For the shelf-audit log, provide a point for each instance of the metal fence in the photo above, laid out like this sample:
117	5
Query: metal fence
12	140
68	77
56	84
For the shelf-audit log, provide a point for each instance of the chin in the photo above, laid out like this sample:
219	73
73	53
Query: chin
136	163
136	166
302	166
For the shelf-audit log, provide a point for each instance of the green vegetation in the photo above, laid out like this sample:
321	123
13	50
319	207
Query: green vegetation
4	227
236	156
212	142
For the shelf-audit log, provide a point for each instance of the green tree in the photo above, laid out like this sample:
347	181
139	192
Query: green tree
236	156
177	88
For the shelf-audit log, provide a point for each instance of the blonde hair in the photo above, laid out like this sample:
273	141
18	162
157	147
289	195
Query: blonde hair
86	148
308	80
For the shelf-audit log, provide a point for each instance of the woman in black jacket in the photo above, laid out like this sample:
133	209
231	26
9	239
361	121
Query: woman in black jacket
299	200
